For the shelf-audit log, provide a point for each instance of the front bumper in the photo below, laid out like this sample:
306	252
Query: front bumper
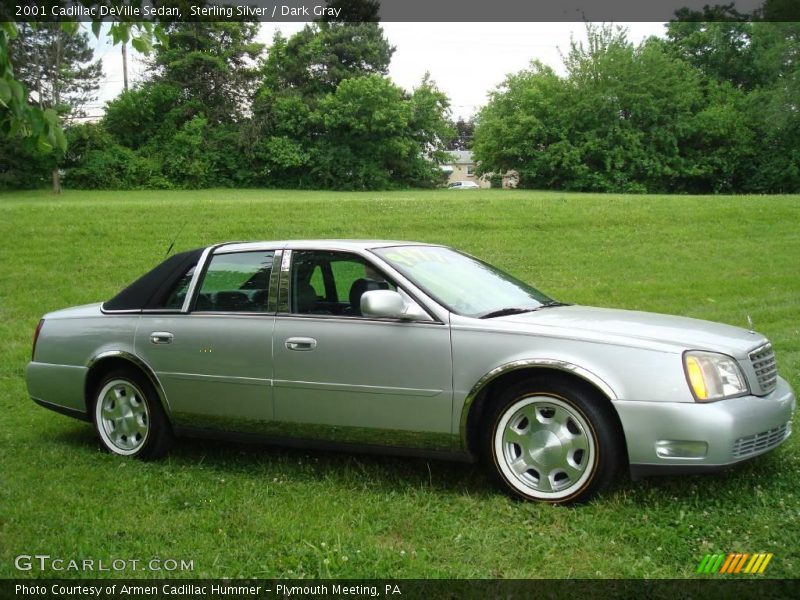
682	437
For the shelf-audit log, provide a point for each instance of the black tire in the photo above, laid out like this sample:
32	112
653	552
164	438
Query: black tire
551	440
128	416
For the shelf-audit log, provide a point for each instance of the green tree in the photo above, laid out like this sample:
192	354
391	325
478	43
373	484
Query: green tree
624	118
21	119
57	68
191	112
212	64
22	165
94	160
150	111
431	125
614	123
523	128
772	111
758	127
721	50
317	59
377	136
326	115
464	133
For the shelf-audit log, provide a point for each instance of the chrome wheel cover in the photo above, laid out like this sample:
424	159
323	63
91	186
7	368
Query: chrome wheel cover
545	447
123	420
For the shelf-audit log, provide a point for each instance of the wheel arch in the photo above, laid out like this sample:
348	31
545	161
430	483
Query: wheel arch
106	362
485	389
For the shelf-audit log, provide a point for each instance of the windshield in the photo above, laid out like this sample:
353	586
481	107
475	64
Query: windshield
463	284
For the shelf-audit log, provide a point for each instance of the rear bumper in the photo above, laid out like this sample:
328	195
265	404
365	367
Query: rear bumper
690	437
57	387
70	412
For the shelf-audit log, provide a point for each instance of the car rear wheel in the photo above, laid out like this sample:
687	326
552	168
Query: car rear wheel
552	441
129	418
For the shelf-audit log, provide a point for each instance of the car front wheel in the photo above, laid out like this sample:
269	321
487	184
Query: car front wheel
552	441
129	418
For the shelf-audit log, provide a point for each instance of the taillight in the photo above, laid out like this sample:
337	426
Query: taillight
36	337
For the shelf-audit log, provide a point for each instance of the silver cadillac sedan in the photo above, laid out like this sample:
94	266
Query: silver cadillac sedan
412	349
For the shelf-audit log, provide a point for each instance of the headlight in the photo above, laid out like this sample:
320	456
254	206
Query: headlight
713	376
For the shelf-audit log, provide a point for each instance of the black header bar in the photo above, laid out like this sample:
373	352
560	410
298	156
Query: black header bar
397	10
743	588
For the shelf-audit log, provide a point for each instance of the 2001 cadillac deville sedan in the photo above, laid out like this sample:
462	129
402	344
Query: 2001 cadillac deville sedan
409	348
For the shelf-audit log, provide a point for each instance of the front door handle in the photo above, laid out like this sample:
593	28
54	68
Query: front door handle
301	343
161	337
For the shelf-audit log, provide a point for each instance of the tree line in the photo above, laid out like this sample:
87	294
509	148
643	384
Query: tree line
712	107
214	110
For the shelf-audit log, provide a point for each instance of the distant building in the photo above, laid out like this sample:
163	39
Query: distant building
462	168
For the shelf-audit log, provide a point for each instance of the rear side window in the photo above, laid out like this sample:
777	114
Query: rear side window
163	287
236	282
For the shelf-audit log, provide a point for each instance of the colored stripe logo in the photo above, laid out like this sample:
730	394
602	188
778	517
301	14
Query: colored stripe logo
734	562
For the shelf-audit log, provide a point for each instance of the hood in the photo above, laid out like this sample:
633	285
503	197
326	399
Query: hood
593	323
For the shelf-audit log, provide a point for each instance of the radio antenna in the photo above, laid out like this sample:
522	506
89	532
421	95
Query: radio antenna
175	239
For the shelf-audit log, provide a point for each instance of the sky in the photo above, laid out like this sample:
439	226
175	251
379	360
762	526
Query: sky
466	60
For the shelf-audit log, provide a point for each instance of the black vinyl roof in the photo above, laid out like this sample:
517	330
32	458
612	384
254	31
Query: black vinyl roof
149	290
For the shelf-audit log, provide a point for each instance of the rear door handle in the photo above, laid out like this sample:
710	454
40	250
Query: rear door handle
161	337
301	343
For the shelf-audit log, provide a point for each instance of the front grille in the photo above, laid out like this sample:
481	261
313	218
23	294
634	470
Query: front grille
765	367
761	442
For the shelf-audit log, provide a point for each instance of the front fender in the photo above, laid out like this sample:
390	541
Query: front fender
527	363
621	372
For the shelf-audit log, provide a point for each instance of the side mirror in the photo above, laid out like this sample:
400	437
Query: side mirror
387	304
382	304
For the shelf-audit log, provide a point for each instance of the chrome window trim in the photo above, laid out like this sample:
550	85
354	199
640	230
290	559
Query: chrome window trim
211	313
274	282
241	246
356	319
198	269
283	285
435	310
228	313
200	273
401	282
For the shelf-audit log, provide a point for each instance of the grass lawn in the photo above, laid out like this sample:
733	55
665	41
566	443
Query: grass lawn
254	511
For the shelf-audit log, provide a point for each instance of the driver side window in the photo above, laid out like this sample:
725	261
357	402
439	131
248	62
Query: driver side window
332	283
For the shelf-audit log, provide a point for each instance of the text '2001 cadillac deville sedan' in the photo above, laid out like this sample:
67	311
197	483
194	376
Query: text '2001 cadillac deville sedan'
408	348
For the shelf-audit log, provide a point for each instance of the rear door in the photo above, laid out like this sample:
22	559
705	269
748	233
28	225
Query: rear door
215	362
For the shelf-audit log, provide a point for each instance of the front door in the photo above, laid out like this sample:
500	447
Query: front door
350	378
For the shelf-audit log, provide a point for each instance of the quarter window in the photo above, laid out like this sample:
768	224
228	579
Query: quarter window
236	282
177	295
